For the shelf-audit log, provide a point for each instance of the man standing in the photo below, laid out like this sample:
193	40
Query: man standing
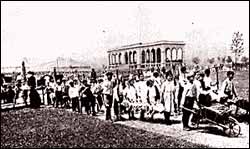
108	86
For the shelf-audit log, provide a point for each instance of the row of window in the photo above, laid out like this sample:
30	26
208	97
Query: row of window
147	56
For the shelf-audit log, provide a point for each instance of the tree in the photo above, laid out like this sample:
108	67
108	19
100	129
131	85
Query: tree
196	60
237	45
210	60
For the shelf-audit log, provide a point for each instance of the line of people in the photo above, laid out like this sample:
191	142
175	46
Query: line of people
160	93
167	95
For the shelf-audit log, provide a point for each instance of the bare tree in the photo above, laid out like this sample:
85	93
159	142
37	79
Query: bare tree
237	45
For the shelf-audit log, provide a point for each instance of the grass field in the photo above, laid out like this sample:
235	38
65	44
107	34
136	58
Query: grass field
46	127
241	80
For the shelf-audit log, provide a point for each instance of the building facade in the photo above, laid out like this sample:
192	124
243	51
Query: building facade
160	54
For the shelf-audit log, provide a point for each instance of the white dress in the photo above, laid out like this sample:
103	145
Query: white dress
168	90
156	105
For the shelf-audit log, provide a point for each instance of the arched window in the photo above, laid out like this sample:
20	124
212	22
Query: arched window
112	58
158	55
174	54
153	55
179	57
120	56
114	55
148	56
134	57
109	60
168	54
143	57
126	57
130	58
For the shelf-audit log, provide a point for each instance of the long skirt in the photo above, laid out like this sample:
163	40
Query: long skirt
35	99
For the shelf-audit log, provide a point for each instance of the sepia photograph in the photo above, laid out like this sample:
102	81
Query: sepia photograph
124	74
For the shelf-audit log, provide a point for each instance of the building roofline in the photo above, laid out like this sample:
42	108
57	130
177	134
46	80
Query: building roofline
140	45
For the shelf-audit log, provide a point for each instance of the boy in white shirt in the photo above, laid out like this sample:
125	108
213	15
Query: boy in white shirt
108	86
74	95
188	99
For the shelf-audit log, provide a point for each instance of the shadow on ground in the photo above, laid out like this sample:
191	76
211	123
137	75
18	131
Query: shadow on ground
216	130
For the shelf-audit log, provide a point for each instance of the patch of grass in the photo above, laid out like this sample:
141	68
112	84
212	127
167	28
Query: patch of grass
241	80
59	128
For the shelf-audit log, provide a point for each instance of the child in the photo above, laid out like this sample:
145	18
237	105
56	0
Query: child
228	89
168	96
130	94
189	97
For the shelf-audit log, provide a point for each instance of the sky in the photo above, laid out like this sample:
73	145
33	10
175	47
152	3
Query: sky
42	31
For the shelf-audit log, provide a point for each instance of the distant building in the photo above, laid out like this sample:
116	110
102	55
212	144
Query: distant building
147	55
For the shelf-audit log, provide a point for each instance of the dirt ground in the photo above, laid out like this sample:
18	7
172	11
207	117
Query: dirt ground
207	134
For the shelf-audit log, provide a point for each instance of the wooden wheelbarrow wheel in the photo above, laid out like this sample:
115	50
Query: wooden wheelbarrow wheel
233	128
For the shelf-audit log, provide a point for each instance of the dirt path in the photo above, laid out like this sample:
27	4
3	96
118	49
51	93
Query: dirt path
210	135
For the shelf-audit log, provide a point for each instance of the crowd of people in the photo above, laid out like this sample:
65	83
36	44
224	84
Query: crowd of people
147	94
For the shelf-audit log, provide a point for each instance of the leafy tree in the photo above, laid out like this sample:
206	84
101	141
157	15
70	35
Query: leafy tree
196	60
237	45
